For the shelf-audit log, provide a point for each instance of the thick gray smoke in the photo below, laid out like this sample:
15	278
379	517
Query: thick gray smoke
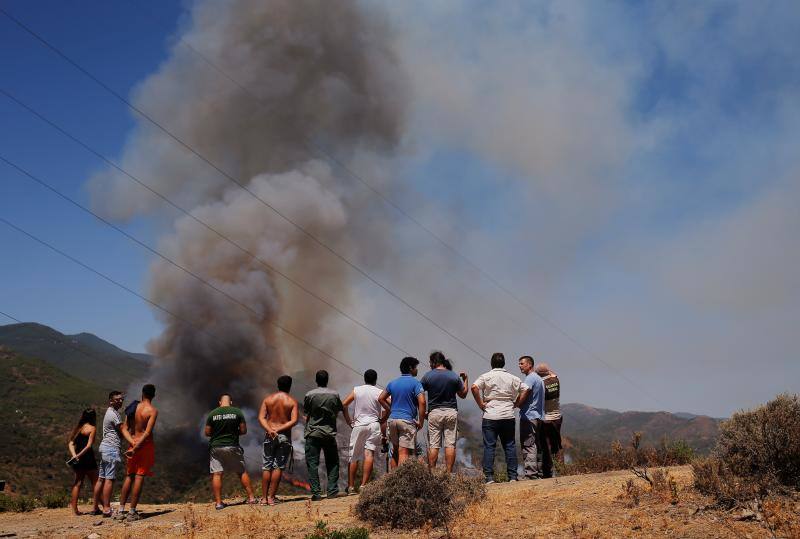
319	71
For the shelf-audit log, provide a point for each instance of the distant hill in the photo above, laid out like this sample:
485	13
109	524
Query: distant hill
84	355
41	405
591	428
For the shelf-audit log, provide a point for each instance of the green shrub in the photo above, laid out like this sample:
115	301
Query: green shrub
321	531
412	496
17	504
55	499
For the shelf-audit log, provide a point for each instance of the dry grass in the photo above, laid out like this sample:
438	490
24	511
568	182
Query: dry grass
757	456
576	506
413	497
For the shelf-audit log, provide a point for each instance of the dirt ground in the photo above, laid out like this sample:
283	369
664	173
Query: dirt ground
574	506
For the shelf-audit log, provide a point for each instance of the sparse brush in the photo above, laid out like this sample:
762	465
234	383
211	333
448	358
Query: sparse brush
55	500
413	496
321	531
764	442
635	454
631	492
758	452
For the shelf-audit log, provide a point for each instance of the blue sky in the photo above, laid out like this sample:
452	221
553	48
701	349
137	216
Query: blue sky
629	170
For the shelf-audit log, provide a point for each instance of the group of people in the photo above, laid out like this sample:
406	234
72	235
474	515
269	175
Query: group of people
136	427
388	419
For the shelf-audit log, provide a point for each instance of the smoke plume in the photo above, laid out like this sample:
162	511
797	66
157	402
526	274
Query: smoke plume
311	71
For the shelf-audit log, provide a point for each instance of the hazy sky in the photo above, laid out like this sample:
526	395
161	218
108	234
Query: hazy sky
630	170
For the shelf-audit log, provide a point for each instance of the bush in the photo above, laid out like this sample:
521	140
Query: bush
17	504
757	451
55	500
321	531
764	443
412	496
621	457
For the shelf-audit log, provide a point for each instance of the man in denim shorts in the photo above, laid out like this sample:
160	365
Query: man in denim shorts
278	414
110	452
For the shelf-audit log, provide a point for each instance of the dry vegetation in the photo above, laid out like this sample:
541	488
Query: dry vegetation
623	457
413	497
748	488
591	505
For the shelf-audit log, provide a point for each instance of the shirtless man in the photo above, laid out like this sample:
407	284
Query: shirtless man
278	414
141	453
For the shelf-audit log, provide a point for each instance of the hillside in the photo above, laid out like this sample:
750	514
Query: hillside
83	355
595	429
42	404
590	505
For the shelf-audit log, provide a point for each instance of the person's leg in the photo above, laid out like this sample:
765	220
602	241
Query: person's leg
125	492
434	437
488	428
216	488
449	458
352	470
449	439
136	490
527	438
394	439
433	456
366	472
92	474
97	493
402	455
274	482
506	434
108	490
76	490
332	465
544	444
312	463
248	487
266	480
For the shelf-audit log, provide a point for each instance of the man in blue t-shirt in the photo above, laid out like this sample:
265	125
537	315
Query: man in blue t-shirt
404	398
442	385
531	414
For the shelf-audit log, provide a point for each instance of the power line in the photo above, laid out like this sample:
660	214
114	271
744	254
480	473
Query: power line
341	165
242	186
314	147
153	303
188	214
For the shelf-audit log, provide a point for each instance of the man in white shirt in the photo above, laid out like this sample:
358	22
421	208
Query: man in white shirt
369	428
497	393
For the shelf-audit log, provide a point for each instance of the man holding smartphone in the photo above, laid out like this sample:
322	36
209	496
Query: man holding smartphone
442	386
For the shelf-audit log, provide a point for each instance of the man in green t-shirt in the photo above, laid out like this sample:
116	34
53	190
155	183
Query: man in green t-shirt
321	406
224	425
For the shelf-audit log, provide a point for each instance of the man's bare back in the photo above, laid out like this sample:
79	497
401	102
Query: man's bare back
277	411
144	421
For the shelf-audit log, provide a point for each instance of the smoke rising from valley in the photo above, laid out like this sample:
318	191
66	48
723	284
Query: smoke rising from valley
312	70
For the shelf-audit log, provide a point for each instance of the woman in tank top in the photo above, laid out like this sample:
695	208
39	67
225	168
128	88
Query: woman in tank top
83	461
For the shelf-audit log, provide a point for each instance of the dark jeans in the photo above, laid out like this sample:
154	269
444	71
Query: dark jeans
328	448
551	445
504	430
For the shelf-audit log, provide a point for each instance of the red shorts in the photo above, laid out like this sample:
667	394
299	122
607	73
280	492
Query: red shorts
141	463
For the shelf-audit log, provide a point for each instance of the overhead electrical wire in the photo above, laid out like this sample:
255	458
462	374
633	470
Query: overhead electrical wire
331	158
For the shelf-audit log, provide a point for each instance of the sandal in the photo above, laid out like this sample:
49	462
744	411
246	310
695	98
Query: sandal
219	506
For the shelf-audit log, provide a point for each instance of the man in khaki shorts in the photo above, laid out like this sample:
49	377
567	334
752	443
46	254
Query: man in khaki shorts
406	410
442	386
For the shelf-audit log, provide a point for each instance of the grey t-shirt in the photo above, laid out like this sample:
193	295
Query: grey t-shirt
111	422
